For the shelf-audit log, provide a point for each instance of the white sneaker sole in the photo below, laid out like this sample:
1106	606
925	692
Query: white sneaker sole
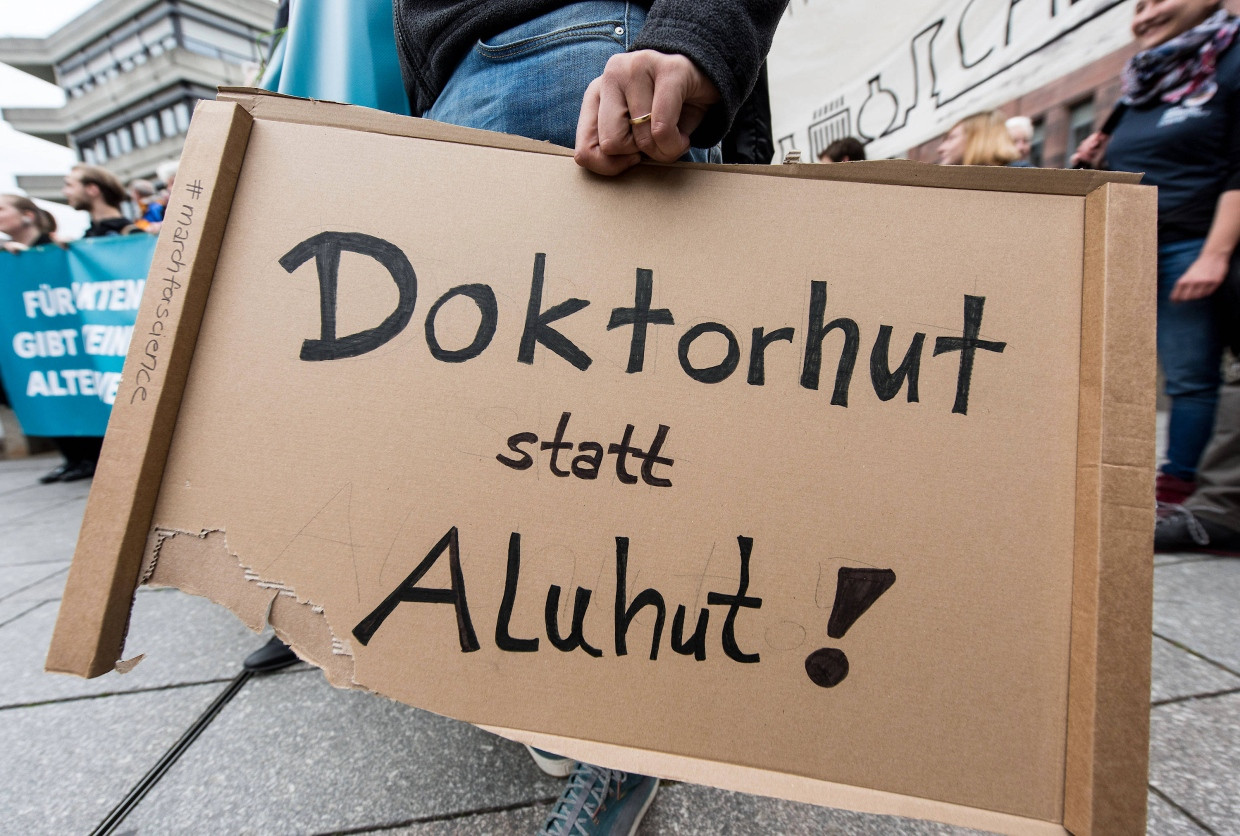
555	767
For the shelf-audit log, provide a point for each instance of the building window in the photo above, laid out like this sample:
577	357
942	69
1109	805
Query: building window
1080	123
101	153
168	122
152	128
1038	142
139	134
88	156
181	110
125	139
114	145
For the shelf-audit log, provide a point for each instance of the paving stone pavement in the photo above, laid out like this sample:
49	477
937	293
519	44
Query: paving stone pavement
286	753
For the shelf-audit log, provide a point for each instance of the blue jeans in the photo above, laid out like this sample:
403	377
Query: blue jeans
1190	349
530	80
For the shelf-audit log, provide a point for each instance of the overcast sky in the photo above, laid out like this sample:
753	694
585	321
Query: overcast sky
21	154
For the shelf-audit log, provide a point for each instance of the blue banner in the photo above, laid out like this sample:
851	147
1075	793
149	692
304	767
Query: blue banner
66	317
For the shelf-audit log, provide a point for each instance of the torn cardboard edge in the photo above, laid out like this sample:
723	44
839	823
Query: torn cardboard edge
1110	604
179	560
201	563
278	107
94	613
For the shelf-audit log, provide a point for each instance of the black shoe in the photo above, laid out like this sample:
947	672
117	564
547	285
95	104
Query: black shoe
272	656
1182	531
78	471
55	475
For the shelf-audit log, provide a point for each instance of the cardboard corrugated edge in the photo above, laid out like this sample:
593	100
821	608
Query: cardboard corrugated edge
281	108
1113	566
94	611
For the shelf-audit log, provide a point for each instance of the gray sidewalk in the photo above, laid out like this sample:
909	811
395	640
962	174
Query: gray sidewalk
186	743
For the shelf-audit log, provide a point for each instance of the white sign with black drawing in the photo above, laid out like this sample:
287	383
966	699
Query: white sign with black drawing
945	60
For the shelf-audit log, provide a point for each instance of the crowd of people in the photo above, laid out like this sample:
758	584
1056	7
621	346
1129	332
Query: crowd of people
675	81
112	209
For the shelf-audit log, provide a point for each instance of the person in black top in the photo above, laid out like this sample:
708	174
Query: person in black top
97	191
1180	124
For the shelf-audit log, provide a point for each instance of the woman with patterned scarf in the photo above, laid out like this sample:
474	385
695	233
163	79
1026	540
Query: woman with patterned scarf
1180	124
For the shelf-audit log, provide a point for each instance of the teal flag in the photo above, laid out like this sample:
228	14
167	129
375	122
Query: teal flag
66	317
341	51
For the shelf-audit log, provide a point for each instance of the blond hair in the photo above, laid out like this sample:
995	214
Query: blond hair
986	140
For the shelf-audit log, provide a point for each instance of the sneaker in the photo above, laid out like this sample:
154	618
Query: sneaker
600	801
1172	490
1180	530
556	766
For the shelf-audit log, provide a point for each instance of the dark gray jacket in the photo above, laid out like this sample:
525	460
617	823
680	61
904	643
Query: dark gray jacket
726	39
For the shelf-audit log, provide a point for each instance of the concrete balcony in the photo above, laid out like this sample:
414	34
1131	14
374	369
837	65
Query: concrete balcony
42	186
46	123
30	55
140	162
37	56
160	73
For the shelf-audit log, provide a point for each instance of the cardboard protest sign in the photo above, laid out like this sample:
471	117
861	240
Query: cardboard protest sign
66	315
834	485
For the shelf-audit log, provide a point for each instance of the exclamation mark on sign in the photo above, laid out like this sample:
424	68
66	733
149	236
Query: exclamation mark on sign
855	591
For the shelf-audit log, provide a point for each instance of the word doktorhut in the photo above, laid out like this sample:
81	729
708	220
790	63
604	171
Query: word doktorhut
326	248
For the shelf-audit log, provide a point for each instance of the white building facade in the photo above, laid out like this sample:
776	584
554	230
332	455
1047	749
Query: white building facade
898	74
132	72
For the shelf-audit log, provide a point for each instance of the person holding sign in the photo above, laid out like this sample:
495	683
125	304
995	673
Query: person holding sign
1180	124
618	82
27	226
25	223
97	191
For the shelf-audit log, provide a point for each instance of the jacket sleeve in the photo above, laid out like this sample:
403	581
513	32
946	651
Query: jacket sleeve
728	40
